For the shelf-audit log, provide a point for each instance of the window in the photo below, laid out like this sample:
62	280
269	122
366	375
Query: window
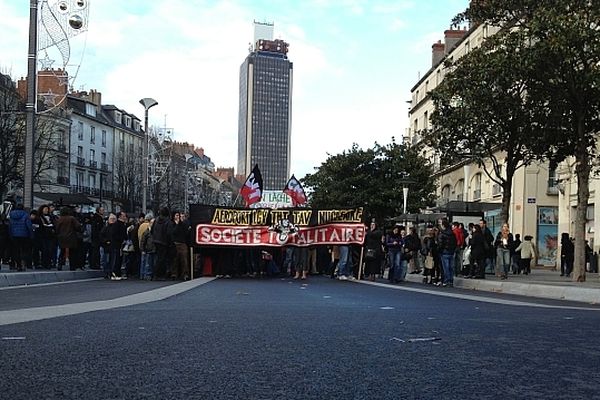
92	180
90	109
79	151
136	125
128	121
118	117
80	130
92	155
103	158
103	138
426	120
477	187
79	178
92	135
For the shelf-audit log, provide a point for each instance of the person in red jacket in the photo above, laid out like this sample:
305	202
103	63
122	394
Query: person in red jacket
460	247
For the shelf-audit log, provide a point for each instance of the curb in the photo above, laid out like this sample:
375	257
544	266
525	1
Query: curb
39	277
553	292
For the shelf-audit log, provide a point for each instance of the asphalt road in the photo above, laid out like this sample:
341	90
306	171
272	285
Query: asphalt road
280	339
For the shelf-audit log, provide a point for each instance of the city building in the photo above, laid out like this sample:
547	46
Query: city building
464	185
265	113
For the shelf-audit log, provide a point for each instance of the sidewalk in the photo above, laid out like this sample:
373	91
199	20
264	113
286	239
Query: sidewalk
540	283
37	276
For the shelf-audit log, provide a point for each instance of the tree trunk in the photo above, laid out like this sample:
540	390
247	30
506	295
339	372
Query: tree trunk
506	197
582	171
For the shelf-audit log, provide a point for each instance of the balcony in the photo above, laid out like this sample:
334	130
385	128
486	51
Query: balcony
62	180
81	161
91	191
93	164
104	167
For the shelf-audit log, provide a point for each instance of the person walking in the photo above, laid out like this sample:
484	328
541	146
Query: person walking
527	252
503	245
67	227
21	235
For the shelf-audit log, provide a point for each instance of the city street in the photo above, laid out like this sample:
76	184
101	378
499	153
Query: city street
286	339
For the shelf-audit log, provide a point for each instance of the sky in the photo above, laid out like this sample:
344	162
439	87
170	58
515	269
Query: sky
355	62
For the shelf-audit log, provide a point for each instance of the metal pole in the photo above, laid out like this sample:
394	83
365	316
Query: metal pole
191	262
31	105
145	163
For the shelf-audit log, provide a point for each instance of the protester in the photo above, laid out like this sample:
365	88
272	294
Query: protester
105	240
477	244
460	246
48	236
567	255
180	235
21	234
148	249
488	245
447	247
96	250
527	252
373	253
394	244
412	245
503	245
67	227
161	233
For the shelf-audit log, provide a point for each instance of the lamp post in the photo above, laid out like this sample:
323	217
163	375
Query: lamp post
31	105
147	103
187	180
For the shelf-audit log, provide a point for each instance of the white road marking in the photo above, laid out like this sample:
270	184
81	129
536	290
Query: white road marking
39	313
386	308
481	299
13	338
34	285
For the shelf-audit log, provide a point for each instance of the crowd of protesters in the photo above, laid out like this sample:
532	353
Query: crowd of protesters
449	250
122	247
157	248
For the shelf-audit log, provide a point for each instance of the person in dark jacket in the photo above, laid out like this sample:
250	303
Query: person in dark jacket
373	251
21	233
117	235
67	227
97	222
48	235
180	234
447	246
105	241
478	254
161	234
567	255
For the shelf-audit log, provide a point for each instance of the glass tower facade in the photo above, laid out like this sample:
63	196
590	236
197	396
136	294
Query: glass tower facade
264	129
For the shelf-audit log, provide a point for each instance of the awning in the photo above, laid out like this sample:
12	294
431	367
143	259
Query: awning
64	199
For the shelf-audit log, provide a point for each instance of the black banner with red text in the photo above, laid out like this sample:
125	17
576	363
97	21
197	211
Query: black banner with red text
228	226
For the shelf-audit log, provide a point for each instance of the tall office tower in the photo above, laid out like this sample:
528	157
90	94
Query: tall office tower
265	116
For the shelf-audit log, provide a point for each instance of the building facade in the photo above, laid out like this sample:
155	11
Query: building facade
534	206
265	113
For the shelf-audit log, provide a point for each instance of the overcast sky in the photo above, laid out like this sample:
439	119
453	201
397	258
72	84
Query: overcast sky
354	64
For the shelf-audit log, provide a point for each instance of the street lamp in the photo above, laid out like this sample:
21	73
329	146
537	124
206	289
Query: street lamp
147	103
405	198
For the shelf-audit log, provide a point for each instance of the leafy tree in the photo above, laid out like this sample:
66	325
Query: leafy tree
564	47
373	178
482	113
